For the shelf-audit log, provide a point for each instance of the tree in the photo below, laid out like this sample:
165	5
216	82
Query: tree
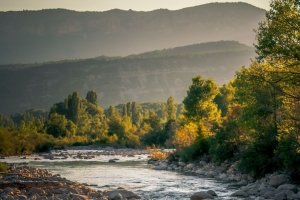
225	97
74	107
279	35
6	121
171	109
261	107
58	126
91	97
199	106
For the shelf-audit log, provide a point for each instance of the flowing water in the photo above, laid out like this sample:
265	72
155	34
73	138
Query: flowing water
133	174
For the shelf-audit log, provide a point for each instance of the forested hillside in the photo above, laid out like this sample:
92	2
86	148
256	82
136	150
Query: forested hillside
48	35
147	77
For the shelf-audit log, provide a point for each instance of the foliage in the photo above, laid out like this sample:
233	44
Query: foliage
278	36
92	97
225	97
156	153
6	121
3	167
229	137
171	109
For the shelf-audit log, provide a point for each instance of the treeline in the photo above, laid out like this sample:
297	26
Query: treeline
80	121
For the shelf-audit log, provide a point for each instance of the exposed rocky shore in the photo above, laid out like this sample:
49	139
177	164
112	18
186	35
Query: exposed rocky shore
32	183
24	182
275	186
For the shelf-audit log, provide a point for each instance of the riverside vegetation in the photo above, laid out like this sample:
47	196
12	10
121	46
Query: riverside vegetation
253	121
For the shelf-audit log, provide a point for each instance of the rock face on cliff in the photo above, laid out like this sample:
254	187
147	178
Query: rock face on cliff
57	34
152	76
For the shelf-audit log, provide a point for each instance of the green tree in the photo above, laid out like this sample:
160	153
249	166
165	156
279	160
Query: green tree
278	36
199	106
58	126
92	97
74	107
171	109
6	121
224	98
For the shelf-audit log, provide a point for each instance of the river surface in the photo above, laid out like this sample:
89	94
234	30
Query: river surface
130	173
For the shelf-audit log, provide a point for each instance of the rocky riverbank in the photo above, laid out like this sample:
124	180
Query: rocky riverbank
275	186
32	183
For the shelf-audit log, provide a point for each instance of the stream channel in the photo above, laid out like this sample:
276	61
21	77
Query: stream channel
132	173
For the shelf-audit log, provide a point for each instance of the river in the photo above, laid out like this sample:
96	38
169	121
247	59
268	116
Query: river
131	173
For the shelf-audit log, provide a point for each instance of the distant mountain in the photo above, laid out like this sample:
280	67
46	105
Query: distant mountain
47	35
146	77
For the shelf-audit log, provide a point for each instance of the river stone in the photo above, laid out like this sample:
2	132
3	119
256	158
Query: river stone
8	190
200	171
35	191
190	166
212	193
223	177
79	197
262	191
201	195
116	196
268	194
278	180
286	187
202	163
125	194
239	193
182	164
280	196
160	167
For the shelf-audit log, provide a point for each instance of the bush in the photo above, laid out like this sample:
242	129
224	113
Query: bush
259	158
157	154
3	167
288	151
226	143
196	150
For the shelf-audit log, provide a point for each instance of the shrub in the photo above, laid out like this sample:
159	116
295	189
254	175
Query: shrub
196	150
3	167
157	154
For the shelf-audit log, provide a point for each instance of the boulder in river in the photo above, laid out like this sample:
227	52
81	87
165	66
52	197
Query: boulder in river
239	193
125	194
201	195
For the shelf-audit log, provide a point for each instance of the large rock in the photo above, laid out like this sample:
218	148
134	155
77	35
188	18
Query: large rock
123	193
278	180
286	187
268	194
182	164
201	195
212	193
239	193
190	166
202	163
200	171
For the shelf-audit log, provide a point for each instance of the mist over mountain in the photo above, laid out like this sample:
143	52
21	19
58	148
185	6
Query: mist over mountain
146	77
57	34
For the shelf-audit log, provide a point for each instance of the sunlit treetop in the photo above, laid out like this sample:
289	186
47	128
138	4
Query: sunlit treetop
278	37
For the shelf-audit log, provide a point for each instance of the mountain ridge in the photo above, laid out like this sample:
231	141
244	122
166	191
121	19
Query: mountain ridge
49	35
118	79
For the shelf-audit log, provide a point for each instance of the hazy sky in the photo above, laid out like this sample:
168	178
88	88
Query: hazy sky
103	5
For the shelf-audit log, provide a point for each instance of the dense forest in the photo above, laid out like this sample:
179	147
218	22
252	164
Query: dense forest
253	119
